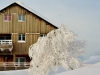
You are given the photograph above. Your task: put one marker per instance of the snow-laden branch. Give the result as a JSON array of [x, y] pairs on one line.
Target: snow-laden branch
[[59, 48]]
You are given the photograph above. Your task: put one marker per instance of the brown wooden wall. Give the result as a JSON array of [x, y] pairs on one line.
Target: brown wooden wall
[[1, 58], [22, 47], [33, 24], [9, 58], [30, 27]]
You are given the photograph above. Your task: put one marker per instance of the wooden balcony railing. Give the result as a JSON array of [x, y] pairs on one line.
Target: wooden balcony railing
[[14, 64], [6, 44], [9, 42]]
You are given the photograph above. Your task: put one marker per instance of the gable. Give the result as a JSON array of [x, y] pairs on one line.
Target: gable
[[33, 23], [25, 10]]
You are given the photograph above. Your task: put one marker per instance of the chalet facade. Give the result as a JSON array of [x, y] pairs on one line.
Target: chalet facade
[[20, 27]]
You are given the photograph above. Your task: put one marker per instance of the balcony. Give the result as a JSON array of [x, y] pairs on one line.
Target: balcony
[[6, 45], [14, 65]]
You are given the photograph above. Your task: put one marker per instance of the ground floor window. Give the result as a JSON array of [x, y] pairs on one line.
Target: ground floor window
[[20, 61]]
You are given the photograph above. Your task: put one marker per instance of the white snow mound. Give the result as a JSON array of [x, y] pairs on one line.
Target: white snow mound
[[89, 70]]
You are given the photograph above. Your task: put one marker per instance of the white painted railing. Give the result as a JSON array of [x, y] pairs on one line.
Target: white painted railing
[[14, 64], [6, 42]]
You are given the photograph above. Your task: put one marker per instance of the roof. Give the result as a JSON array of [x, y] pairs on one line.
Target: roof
[[32, 11]]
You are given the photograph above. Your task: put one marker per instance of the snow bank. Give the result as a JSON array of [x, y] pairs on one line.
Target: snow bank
[[14, 72], [93, 60], [89, 70]]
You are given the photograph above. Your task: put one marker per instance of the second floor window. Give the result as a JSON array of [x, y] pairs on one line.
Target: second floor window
[[21, 17], [7, 17], [21, 37]]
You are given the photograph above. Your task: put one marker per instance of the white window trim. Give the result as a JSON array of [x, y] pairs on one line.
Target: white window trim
[[21, 41], [32, 33], [19, 60], [20, 21], [7, 18], [21, 18]]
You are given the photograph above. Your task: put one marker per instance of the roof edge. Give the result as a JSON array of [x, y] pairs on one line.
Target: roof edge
[[32, 11]]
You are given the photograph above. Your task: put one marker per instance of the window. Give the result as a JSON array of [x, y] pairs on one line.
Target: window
[[21, 37], [20, 61], [5, 36], [42, 35], [7, 17], [21, 18], [2, 38]]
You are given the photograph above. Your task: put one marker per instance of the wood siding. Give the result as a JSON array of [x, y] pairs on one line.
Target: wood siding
[[6, 58], [32, 25], [22, 47]]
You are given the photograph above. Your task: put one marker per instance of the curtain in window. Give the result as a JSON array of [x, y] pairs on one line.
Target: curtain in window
[[7, 17]]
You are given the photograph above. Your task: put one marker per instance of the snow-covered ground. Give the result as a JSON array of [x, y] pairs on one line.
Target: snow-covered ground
[[93, 69], [93, 60], [15, 72], [89, 70]]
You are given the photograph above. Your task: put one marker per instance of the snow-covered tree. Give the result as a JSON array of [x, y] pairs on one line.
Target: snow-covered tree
[[59, 48]]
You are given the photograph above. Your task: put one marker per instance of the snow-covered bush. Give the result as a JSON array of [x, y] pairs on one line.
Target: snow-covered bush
[[59, 48]]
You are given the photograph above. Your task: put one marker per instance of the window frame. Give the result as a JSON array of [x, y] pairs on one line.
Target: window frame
[[43, 35], [22, 17], [8, 15], [19, 63], [22, 41]]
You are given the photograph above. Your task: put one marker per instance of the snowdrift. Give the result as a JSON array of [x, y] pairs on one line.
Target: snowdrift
[[14, 72], [89, 70], [93, 69]]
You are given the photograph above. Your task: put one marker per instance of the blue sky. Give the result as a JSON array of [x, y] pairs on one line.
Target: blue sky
[[80, 16]]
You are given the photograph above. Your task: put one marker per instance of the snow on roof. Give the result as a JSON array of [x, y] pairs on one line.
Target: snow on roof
[[33, 11]]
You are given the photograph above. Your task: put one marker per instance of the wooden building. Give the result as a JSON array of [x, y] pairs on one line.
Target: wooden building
[[20, 27]]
